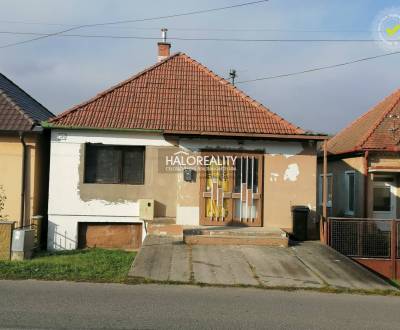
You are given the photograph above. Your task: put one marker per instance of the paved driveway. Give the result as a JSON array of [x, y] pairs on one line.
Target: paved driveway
[[307, 265]]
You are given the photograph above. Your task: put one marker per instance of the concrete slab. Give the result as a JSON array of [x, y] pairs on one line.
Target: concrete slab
[[306, 265], [162, 258], [337, 270], [221, 265], [278, 267]]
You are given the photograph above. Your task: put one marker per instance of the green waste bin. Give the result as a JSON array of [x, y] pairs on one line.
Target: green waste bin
[[300, 218]]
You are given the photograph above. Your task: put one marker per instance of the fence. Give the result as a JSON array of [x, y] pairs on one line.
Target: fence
[[375, 243]]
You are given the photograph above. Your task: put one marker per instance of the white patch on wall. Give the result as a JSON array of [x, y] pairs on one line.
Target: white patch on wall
[[273, 177], [291, 173], [187, 215]]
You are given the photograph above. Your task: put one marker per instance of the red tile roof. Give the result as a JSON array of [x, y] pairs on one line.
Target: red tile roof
[[177, 95], [378, 129]]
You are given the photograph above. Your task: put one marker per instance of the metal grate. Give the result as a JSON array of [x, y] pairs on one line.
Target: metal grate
[[361, 238]]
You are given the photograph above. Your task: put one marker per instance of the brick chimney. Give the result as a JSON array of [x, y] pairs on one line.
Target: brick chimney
[[163, 47]]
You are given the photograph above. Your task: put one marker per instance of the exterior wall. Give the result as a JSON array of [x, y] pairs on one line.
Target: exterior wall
[[72, 201], [290, 180], [338, 167], [382, 160], [339, 198], [11, 153]]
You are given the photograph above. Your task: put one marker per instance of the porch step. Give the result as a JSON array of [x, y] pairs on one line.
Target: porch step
[[164, 227], [235, 236]]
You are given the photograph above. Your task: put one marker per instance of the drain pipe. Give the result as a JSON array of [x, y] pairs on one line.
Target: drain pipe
[[23, 183], [366, 179]]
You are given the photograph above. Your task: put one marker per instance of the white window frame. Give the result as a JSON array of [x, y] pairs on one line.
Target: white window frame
[[320, 195], [347, 185]]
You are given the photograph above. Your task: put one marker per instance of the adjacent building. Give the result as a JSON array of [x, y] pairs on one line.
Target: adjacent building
[[178, 134], [363, 176], [24, 154]]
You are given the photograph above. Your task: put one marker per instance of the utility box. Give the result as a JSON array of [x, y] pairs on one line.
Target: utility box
[[23, 243], [146, 209]]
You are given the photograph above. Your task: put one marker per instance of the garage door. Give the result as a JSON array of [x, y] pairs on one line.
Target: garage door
[[126, 236]]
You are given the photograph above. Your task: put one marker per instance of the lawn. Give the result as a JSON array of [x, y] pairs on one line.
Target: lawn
[[95, 265]]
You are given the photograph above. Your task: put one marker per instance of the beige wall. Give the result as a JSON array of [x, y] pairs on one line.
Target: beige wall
[[338, 169], [11, 175], [282, 191]]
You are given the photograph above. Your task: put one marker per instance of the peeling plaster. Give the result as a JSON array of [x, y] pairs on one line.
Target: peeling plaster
[[274, 177], [291, 173]]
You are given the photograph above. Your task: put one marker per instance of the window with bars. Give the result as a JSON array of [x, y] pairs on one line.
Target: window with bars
[[114, 164]]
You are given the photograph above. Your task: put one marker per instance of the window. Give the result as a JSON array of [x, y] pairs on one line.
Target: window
[[350, 191], [382, 199], [330, 189], [114, 164]]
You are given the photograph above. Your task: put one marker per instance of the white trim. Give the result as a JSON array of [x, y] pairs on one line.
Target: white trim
[[347, 185], [320, 190]]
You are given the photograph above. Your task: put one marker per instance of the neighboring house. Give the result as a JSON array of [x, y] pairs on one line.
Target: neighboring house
[[24, 154], [363, 175], [125, 144]]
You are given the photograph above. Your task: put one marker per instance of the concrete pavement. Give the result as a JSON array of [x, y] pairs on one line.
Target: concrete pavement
[[66, 305], [307, 265]]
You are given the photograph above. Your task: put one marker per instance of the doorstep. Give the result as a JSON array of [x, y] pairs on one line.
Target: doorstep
[[230, 235]]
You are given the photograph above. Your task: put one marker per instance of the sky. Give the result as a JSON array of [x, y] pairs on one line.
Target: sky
[[63, 71]]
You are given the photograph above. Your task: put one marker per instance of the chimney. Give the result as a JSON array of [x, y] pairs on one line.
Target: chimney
[[163, 47]]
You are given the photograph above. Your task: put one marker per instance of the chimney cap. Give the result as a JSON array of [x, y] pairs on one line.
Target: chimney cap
[[164, 35]]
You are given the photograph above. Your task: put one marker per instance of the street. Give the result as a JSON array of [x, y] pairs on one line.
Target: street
[[56, 305]]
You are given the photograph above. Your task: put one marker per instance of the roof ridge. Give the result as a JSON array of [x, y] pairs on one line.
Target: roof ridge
[[26, 93], [381, 117], [114, 87], [243, 94], [16, 106]]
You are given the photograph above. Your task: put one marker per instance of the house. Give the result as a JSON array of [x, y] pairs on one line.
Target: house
[[24, 154], [363, 165], [178, 134]]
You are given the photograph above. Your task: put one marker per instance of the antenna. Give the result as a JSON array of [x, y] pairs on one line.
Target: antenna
[[232, 75]]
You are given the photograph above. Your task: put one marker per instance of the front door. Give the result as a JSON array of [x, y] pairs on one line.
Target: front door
[[231, 193], [384, 197]]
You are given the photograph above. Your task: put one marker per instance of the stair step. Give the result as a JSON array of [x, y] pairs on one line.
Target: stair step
[[235, 240], [163, 221], [165, 229]]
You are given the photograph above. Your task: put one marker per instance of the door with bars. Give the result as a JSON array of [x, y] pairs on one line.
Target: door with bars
[[231, 193]]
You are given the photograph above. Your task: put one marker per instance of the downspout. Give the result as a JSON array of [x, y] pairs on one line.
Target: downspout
[[325, 194], [366, 178], [23, 183]]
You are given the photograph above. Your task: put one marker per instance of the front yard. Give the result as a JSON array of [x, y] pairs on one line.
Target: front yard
[[95, 265]]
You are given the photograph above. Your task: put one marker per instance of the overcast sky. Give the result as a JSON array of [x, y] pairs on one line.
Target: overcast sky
[[61, 72]]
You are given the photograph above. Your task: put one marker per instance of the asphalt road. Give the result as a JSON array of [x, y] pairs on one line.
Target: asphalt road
[[57, 305]]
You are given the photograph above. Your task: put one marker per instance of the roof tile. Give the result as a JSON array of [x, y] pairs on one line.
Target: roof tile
[[176, 95]]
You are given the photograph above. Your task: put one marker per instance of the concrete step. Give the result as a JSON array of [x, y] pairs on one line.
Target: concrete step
[[164, 229], [234, 240], [163, 221], [235, 236]]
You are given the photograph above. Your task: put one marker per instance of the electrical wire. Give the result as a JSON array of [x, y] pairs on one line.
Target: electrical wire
[[318, 68], [187, 38], [196, 12]]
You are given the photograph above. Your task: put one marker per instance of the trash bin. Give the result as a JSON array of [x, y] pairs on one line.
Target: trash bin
[[300, 217]]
